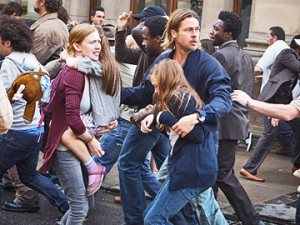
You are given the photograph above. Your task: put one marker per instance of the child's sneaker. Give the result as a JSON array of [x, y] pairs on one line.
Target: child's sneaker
[[93, 187]]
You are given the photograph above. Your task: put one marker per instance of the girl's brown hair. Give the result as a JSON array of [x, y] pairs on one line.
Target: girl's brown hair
[[172, 83], [111, 74]]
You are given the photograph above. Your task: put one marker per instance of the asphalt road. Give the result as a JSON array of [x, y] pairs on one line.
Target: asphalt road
[[275, 169], [106, 212]]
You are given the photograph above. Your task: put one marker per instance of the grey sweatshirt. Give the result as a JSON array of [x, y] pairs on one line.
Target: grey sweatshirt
[[14, 65]]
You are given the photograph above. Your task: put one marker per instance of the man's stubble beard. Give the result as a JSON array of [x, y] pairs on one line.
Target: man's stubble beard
[[185, 48]]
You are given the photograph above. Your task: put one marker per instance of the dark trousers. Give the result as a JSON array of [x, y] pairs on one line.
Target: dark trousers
[[295, 124], [298, 212], [230, 185], [262, 148], [285, 135]]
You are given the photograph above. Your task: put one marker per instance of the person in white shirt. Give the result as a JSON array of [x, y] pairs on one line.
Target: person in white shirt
[[276, 41], [285, 112]]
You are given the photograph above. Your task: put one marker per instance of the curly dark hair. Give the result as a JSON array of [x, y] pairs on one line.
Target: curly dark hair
[[232, 23], [53, 5], [16, 32], [11, 8], [156, 25], [63, 15]]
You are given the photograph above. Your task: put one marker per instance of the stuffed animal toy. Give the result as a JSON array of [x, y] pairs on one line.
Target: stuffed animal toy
[[28, 87]]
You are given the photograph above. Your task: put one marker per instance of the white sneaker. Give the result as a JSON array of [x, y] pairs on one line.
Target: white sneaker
[[298, 189], [297, 173], [249, 142]]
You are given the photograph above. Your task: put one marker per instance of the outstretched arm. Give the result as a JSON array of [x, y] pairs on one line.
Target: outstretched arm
[[280, 111], [85, 65], [88, 66]]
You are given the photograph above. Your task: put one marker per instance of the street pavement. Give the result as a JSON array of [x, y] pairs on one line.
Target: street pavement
[[105, 212], [274, 198]]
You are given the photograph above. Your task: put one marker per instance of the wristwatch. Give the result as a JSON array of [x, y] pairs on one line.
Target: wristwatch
[[200, 117]]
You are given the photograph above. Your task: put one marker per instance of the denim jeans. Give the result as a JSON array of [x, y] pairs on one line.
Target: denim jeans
[[168, 203], [24, 195], [134, 151], [22, 149], [112, 143], [207, 209], [68, 169]]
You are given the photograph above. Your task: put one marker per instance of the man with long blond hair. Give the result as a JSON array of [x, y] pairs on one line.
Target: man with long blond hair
[[210, 81]]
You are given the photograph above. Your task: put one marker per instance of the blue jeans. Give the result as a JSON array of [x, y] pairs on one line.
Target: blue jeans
[[22, 150], [207, 209], [112, 143], [168, 203], [68, 169], [134, 151]]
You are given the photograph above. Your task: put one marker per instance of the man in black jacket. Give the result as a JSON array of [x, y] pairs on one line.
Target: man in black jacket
[[234, 125]]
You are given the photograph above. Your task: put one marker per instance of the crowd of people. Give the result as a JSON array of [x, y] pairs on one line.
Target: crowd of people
[[126, 95]]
